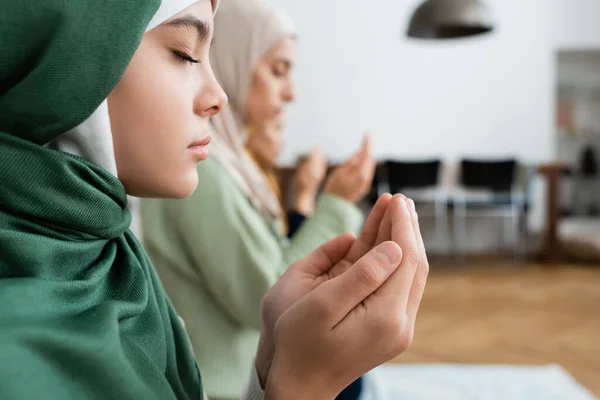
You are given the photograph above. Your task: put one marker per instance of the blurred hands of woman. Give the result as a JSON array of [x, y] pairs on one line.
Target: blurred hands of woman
[[309, 176], [348, 307], [353, 179]]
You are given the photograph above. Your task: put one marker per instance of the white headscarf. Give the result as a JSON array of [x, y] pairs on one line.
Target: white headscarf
[[244, 31], [93, 140]]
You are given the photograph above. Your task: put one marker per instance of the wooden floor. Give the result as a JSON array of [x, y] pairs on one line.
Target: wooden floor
[[535, 315]]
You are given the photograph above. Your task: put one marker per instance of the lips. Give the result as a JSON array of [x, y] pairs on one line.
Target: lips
[[199, 148], [200, 143]]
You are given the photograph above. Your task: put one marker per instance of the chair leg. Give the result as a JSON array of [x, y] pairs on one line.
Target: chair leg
[[460, 234], [509, 233], [522, 232], [441, 227], [506, 234], [516, 237], [436, 223], [453, 236], [524, 236], [519, 236]]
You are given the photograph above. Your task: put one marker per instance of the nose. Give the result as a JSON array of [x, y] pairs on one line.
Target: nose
[[211, 98], [289, 92]]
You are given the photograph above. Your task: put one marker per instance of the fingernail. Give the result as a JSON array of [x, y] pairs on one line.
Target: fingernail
[[404, 202], [411, 205], [390, 252]]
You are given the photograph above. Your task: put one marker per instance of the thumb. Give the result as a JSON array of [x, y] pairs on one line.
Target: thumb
[[342, 294], [354, 160], [319, 154], [363, 154], [365, 150], [367, 142]]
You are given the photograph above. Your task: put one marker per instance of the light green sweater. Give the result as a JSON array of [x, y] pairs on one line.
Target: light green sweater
[[217, 257]]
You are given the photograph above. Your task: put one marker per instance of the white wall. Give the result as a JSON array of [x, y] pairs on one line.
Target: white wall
[[576, 24], [489, 96]]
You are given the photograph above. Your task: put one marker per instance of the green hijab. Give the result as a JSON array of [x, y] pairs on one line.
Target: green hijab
[[82, 313]]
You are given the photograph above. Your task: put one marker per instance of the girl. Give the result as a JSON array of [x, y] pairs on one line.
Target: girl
[[220, 250], [128, 87]]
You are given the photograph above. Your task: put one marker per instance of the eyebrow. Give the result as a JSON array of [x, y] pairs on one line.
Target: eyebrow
[[191, 22], [283, 61]]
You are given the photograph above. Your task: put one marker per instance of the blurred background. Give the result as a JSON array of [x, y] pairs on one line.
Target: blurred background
[[488, 115]]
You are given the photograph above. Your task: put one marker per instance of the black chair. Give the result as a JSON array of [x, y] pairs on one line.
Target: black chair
[[404, 175], [491, 189], [497, 176], [379, 185]]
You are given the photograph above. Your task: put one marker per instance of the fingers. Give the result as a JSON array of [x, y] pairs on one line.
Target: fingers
[[340, 295], [302, 160], [315, 154], [418, 286], [385, 228], [415, 223], [353, 162], [319, 160], [395, 292], [369, 233], [367, 145], [363, 155], [358, 159], [326, 256], [366, 164]]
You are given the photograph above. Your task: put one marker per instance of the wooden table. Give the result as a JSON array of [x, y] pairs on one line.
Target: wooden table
[[552, 172]]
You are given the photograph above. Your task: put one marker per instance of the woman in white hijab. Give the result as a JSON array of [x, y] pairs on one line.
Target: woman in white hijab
[[219, 251], [254, 63]]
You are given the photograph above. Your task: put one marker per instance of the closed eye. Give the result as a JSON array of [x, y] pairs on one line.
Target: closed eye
[[184, 57]]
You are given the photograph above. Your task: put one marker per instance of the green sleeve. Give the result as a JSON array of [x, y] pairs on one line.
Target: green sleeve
[[237, 252]]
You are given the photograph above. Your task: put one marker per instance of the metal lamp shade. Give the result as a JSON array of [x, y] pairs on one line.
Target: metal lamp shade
[[448, 19]]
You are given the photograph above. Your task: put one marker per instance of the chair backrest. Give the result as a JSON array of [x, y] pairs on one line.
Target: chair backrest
[[412, 175], [379, 177], [498, 176]]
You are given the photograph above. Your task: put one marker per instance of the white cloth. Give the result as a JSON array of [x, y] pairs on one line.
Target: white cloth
[[460, 382], [169, 8], [244, 31], [92, 140]]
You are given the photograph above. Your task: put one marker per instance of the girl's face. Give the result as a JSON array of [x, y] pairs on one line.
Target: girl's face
[[160, 109], [271, 89]]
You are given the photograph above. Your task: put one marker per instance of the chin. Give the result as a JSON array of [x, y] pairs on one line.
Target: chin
[[273, 162], [184, 187], [169, 186], [176, 188]]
